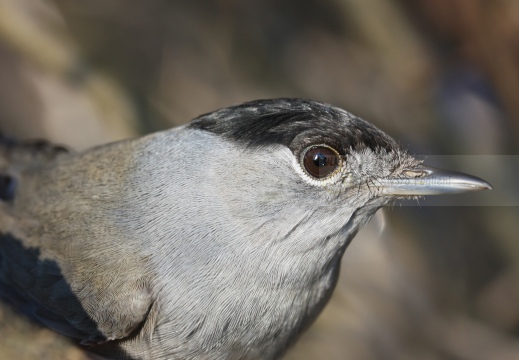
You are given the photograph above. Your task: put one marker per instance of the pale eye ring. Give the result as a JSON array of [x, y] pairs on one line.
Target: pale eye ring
[[320, 161]]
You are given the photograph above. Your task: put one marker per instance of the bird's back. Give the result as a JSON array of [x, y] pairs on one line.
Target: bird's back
[[15, 156], [44, 239]]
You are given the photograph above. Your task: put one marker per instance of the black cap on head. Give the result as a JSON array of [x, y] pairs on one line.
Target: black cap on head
[[294, 123]]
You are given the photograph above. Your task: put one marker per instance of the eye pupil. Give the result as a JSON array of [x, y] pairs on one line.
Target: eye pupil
[[320, 161]]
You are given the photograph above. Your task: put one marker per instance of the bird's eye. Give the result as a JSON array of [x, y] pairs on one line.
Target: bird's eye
[[320, 161]]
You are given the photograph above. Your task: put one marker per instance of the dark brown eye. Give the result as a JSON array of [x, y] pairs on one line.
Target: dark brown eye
[[320, 161]]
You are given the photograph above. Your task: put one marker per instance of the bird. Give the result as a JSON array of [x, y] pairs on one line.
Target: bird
[[218, 239]]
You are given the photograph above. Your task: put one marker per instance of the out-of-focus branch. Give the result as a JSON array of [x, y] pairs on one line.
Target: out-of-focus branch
[[54, 53], [489, 28]]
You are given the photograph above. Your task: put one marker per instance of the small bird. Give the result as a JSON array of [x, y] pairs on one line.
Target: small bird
[[219, 239]]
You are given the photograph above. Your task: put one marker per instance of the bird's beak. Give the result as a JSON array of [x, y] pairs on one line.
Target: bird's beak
[[425, 180]]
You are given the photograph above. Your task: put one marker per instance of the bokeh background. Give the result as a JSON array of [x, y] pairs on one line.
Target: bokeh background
[[441, 76]]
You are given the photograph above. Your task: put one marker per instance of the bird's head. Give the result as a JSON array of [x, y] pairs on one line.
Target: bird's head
[[313, 155], [292, 169]]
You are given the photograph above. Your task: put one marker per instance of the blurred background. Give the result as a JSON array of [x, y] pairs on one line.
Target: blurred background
[[441, 76]]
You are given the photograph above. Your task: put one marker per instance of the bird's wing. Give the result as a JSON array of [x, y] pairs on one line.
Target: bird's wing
[[37, 287], [90, 301]]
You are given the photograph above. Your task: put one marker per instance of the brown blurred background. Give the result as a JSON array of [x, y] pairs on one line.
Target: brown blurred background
[[441, 76]]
